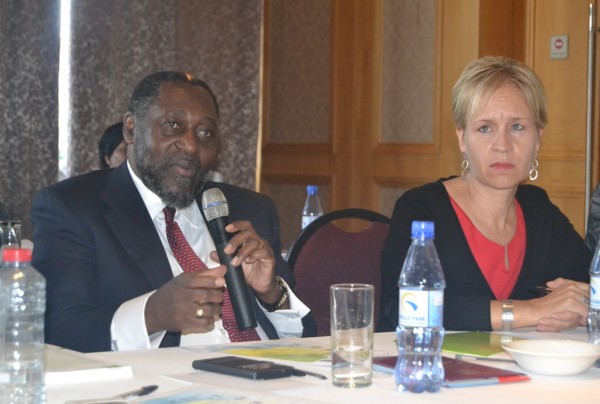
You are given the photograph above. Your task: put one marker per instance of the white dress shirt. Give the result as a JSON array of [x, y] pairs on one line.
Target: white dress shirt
[[128, 328]]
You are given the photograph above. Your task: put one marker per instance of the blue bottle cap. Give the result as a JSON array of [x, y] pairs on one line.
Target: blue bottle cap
[[422, 229], [312, 189]]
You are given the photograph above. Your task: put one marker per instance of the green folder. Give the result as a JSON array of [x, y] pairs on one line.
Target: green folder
[[474, 343]]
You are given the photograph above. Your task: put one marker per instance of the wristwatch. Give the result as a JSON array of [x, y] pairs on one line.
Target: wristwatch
[[271, 307]]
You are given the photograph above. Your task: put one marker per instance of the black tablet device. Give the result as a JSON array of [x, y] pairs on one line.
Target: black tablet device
[[244, 367]]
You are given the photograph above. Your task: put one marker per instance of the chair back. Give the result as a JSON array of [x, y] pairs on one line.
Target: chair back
[[323, 254]]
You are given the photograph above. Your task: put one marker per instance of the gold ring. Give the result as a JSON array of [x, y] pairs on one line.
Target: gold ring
[[199, 312]]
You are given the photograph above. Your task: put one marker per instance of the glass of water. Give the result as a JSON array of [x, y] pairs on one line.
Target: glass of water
[[352, 334]]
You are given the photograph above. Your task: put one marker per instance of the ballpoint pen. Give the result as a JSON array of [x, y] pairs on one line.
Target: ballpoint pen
[[481, 358], [119, 398], [540, 290], [142, 391], [298, 372]]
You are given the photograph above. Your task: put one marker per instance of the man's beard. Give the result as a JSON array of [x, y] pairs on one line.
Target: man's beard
[[153, 176]]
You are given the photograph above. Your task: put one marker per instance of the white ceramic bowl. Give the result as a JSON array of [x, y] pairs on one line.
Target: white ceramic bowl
[[553, 357]]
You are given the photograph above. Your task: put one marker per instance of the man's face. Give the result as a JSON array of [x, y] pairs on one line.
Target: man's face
[[175, 142]]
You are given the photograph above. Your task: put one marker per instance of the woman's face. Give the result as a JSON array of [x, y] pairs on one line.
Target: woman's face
[[500, 139]]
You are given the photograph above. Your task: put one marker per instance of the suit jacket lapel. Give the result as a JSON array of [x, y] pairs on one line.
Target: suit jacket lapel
[[133, 227]]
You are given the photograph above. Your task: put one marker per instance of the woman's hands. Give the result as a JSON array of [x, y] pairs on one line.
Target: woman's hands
[[565, 307]]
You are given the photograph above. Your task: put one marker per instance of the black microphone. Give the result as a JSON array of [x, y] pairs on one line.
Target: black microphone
[[216, 212]]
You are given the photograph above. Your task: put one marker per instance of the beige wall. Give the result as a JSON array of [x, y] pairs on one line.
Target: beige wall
[[386, 91]]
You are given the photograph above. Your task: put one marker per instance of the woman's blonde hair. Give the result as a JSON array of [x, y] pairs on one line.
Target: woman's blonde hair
[[487, 74]]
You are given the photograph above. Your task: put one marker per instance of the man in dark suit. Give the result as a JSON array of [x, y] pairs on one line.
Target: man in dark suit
[[113, 278]]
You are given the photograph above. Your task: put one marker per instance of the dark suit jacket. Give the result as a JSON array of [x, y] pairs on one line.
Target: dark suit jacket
[[97, 246]]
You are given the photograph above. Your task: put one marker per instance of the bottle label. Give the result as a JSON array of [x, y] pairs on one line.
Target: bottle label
[[595, 292], [421, 308], [306, 220]]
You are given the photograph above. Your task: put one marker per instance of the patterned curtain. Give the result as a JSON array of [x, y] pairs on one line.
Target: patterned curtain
[[29, 49], [115, 43]]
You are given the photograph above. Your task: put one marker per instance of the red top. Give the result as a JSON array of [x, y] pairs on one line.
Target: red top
[[500, 265]]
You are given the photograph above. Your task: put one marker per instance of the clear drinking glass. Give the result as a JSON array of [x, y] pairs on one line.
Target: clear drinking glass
[[11, 232], [352, 334]]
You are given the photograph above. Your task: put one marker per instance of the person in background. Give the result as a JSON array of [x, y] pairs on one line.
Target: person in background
[[110, 242], [593, 223], [5, 212], [112, 149], [496, 238]]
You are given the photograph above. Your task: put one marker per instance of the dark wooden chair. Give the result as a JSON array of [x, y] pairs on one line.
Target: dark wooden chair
[[324, 254]]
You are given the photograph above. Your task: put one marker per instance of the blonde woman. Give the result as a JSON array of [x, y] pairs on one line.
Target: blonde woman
[[496, 238]]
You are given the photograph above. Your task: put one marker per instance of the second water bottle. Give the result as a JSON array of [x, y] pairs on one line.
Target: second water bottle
[[594, 308], [312, 207], [420, 330]]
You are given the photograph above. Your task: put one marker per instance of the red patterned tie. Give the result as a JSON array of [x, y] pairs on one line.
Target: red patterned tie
[[190, 262]]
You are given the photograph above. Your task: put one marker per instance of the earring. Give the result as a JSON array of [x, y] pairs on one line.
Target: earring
[[533, 173], [465, 166]]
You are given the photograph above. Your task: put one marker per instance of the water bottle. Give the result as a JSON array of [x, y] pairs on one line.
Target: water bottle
[[23, 302], [594, 310], [312, 206], [420, 330]]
